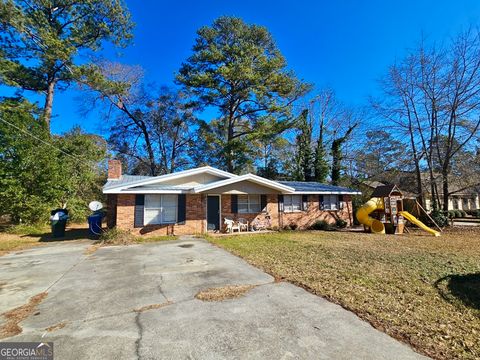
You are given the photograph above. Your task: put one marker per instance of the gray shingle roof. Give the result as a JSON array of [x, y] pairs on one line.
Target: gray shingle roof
[[310, 186]]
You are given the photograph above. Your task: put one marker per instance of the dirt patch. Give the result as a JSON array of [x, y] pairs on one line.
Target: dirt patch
[[152, 307], [91, 249], [185, 246], [56, 327], [224, 293], [17, 315]]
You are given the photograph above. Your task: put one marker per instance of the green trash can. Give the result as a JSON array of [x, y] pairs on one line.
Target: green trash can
[[58, 222]]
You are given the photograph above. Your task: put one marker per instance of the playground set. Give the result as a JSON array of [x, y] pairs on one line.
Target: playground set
[[384, 213]]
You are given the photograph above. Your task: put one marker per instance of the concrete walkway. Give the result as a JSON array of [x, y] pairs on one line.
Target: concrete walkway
[[137, 302]]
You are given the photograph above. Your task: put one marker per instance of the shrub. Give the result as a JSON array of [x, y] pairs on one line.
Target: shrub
[[458, 214], [439, 217], [287, 228], [464, 213], [293, 226], [451, 214], [321, 225], [116, 236], [476, 213], [341, 224]]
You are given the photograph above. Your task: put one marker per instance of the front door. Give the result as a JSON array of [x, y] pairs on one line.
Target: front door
[[213, 213]]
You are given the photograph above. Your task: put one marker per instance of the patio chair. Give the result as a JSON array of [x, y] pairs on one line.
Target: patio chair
[[230, 225], [242, 224]]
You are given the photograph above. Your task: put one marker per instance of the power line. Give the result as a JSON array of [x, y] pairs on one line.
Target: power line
[[41, 140]]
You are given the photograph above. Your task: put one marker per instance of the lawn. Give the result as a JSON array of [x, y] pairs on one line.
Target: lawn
[[420, 289]]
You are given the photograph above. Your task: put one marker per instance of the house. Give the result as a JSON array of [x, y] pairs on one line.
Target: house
[[197, 200]]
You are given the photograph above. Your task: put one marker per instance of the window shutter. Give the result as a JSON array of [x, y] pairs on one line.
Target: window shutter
[[320, 202], [138, 214], [234, 204], [182, 209], [304, 202], [340, 202], [280, 203], [263, 203]]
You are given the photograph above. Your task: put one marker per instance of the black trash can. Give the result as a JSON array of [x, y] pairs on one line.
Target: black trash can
[[95, 223], [58, 222]]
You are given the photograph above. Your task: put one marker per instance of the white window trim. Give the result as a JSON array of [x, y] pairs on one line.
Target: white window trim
[[249, 210], [160, 208], [285, 204], [338, 204]]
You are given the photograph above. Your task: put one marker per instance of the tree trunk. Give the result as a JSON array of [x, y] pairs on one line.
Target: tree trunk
[[445, 188], [228, 153], [148, 145], [47, 110], [418, 173]]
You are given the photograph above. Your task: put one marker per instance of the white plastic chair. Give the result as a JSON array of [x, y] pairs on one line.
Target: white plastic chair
[[242, 224], [230, 225]]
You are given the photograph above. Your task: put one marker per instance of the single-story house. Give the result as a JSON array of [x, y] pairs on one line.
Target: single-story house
[[196, 201]]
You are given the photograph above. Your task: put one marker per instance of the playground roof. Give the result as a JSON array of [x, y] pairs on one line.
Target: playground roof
[[385, 190]]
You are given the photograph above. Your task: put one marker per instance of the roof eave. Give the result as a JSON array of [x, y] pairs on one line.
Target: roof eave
[[328, 192], [172, 176], [144, 191], [248, 177]]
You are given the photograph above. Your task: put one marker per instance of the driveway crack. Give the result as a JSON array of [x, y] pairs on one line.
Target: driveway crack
[[65, 273], [140, 336], [160, 290]]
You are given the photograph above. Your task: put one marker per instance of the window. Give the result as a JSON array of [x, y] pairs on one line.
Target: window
[[160, 209], [330, 202], [455, 204], [249, 204], [292, 203]]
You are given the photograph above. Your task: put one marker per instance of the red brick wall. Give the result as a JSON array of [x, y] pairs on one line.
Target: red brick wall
[[111, 210], [304, 219], [196, 215], [195, 222], [114, 169]]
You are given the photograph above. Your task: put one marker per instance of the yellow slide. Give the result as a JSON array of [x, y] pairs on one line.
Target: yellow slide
[[417, 222], [363, 215]]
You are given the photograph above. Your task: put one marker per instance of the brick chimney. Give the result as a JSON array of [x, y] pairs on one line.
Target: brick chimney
[[114, 169]]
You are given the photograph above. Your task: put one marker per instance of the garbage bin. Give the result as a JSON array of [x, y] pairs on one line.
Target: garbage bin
[[58, 221], [95, 223]]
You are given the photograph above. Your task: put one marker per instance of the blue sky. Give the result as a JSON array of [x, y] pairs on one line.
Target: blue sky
[[347, 45]]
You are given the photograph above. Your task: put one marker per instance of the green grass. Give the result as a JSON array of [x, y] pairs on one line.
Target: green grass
[[419, 289]]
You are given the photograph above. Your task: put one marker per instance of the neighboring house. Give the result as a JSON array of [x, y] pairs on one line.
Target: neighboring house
[[460, 199], [197, 200]]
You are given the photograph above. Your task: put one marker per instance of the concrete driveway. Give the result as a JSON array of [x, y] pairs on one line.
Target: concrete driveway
[[137, 302]]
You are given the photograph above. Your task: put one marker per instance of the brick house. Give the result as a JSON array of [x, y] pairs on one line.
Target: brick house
[[197, 201]]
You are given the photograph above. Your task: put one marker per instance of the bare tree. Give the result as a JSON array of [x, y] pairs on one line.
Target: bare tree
[[151, 126], [460, 112], [433, 97]]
